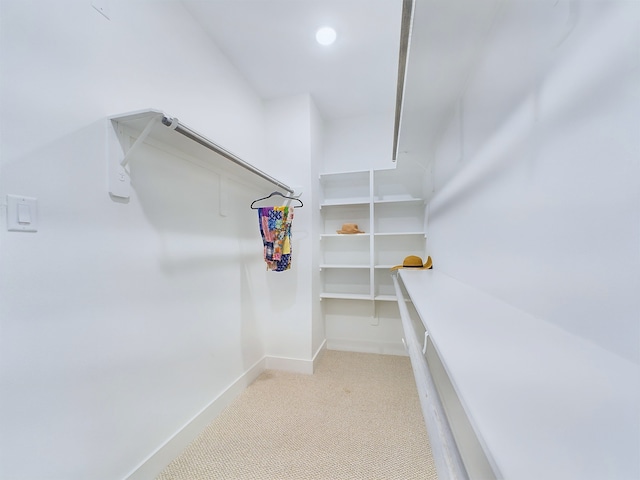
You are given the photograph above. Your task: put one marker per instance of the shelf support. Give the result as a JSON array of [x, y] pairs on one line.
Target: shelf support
[[119, 153], [121, 147], [141, 138]]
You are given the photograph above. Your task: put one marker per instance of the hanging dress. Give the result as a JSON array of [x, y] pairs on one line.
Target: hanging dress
[[275, 228]]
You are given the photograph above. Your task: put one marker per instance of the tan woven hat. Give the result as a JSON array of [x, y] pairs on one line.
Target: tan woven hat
[[349, 228], [414, 262]]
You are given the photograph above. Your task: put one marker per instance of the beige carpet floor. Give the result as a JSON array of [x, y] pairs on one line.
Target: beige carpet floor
[[357, 417]]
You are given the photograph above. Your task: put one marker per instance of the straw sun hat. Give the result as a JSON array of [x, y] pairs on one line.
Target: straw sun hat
[[415, 263], [349, 228]]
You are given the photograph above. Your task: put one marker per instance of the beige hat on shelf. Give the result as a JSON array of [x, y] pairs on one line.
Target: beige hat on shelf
[[415, 263], [349, 228]]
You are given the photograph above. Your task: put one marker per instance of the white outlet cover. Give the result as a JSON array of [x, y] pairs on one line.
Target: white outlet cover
[[22, 213]]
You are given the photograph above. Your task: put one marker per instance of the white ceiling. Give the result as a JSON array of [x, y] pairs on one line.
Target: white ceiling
[[272, 43], [447, 41]]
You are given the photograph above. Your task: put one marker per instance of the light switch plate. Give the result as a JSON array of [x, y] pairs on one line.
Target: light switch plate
[[22, 213]]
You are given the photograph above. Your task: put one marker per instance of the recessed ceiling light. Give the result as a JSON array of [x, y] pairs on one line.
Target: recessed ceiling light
[[326, 36]]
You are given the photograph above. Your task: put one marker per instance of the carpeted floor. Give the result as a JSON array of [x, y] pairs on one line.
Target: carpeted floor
[[357, 417]]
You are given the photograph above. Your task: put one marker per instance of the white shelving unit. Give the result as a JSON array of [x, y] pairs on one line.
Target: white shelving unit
[[389, 208]]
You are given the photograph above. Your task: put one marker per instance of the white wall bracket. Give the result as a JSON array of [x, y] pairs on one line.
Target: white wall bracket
[[424, 345], [143, 136], [153, 126], [119, 154]]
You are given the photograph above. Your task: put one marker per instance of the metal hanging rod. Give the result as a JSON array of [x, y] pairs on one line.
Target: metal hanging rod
[[174, 124], [405, 34]]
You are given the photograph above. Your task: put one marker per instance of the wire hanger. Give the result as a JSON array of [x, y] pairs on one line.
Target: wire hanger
[[281, 195]]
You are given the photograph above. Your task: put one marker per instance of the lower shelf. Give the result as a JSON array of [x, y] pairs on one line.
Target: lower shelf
[[386, 298], [354, 296], [346, 296]]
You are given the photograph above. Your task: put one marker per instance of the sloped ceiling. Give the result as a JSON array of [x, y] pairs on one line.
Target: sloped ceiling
[[272, 42], [447, 40]]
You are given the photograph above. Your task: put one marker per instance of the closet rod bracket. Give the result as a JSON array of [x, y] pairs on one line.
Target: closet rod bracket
[[125, 134], [120, 150], [141, 138]]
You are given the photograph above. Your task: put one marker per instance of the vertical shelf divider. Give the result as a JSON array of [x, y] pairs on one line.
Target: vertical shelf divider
[[372, 236]]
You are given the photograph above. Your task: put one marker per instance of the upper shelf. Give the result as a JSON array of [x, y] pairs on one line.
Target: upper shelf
[[128, 131], [399, 201], [345, 202]]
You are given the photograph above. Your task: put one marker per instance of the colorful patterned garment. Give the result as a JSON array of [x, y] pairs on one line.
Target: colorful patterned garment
[[275, 227]]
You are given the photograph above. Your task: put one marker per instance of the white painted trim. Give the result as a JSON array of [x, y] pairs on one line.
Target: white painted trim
[[286, 364], [319, 353], [367, 346], [166, 453], [158, 460]]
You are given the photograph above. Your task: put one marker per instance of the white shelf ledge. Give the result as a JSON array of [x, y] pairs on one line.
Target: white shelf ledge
[[393, 234], [386, 298], [345, 203], [341, 174], [344, 235], [529, 388], [399, 201], [333, 265], [346, 296], [127, 132]]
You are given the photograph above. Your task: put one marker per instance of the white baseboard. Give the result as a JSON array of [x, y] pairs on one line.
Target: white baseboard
[[318, 355], [286, 364], [159, 459], [296, 365]]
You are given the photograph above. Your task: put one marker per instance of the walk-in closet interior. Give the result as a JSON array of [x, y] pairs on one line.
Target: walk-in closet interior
[[194, 192]]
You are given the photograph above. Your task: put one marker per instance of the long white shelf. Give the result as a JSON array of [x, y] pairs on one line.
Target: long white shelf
[[544, 403], [345, 203], [334, 265], [394, 234], [344, 235], [399, 201], [126, 133], [346, 296], [341, 174], [386, 298]]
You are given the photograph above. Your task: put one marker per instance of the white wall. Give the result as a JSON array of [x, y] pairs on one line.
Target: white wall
[[536, 209], [537, 200], [317, 150], [120, 321], [293, 139], [358, 143]]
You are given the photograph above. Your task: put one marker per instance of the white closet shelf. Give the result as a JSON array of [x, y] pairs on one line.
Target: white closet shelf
[[386, 298], [346, 203], [346, 296], [399, 201], [401, 234], [344, 235], [389, 206], [128, 131], [328, 175], [335, 265]]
